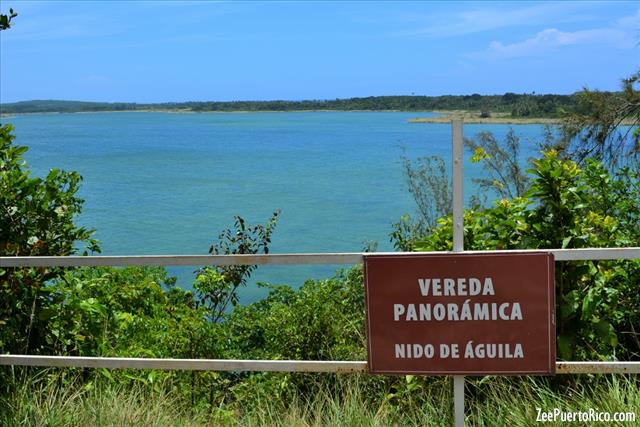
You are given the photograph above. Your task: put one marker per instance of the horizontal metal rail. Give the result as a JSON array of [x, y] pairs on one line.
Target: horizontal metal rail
[[280, 259], [176, 260], [185, 364], [597, 367], [267, 365], [277, 365]]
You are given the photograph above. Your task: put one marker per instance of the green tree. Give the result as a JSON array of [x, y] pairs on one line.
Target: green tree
[[501, 162], [217, 288], [605, 125], [36, 219], [5, 20], [430, 187]]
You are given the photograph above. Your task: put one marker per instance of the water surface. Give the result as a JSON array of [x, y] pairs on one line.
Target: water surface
[[167, 183]]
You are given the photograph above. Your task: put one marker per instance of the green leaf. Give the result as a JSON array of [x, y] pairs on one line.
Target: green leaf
[[564, 347]]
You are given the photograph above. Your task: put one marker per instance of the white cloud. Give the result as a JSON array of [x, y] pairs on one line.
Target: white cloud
[[481, 20], [630, 22], [623, 35], [551, 39]]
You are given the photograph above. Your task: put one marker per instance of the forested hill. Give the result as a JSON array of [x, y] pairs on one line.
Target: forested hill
[[525, 105]]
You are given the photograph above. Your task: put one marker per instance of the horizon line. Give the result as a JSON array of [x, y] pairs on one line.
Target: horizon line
[[533, 93]]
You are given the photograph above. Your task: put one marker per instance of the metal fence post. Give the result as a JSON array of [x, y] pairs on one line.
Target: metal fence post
[[458, 194], [458, 246]]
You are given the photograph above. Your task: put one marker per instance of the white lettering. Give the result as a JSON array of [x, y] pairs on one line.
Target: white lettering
[[429, 350], [435, 288], [444, 351], [418, 351], [481, 311], [502, 310], [465, 312], [468, 350], [425, 311], [491, 351], [398, 310], [455, 351], [488, 287], [448, 287], [474, 286], [452, 312], [411, 312], [462, 287], [518, 353], [414, 351], [516, 313], [424, 286]]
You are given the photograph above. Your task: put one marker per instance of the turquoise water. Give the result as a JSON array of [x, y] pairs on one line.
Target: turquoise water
[[166, 183]]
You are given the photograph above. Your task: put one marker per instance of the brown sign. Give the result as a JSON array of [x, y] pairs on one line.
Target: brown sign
[[464, 314]]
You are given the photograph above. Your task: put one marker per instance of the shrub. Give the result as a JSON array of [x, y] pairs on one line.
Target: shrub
[[569, 207], [36, 218]]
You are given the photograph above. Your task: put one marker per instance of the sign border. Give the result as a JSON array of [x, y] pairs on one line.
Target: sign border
[[550, 302]]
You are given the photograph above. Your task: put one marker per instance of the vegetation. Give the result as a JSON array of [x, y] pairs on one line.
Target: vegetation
[[566, 201], [479, 117], [515, 105], [502, 164], [569, 207], [138, 312], [52, 398], [36, 218], [5, 20], [216, 288], [431, 190], [594, 128]]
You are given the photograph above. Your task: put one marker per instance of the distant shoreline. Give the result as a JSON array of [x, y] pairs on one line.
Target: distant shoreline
[[530, 105], [442, 117], [445, 116], [5, 115]]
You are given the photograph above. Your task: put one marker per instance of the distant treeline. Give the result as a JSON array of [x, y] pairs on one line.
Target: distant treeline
[[518, 105]]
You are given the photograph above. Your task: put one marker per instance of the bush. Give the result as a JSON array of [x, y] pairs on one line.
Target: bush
[[36, 218], [323, 320], [569, 207]]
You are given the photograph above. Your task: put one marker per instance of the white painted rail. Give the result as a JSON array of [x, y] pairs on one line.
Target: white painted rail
[[186, 364], [287, 259], [333, 366], [275, 365]]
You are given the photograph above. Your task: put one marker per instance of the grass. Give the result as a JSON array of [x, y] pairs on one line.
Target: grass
[[507, 403], [48, 403], [55, 400]]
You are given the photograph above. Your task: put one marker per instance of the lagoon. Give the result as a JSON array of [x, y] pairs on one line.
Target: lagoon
[[167, 183]]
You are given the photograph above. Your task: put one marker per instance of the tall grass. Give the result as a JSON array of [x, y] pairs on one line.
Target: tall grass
[[59, 400], [503, 401]]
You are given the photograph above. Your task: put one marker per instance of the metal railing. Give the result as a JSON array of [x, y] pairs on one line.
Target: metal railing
[[280, 259]]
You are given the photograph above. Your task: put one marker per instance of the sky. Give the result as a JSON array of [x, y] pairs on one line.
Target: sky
[[166, 51]]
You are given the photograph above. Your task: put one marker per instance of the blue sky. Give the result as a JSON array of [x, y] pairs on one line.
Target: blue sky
[[178, 51]]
